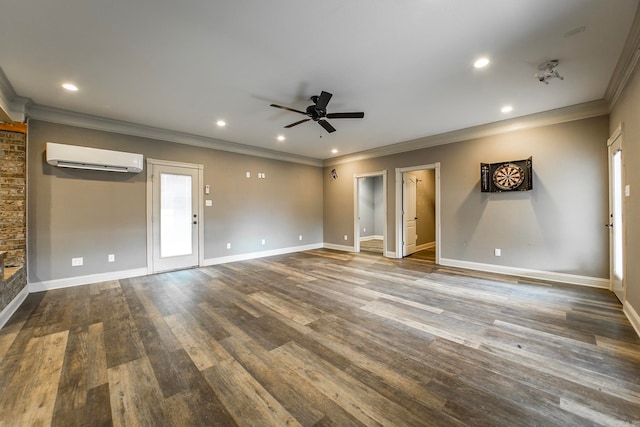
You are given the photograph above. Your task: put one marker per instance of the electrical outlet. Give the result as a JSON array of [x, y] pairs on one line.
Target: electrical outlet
[[77, 262], [364, 230], [300, 237], [346, 237], [248, 174], [228, 245], [111, 257], [264, 242], [497, 252]]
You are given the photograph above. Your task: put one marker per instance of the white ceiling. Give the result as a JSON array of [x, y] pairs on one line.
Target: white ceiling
[[407, 64]]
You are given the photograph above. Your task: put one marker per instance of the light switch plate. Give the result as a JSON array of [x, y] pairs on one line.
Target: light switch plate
[[627, 190], [208, 202]]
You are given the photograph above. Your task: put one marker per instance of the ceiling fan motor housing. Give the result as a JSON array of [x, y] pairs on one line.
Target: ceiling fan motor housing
[[315, 113]]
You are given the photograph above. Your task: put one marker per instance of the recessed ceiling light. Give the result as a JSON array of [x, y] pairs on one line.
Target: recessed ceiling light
[[334, 151], [70, 87], [481, 62], [280, 138], [507, 109], [221, 123]]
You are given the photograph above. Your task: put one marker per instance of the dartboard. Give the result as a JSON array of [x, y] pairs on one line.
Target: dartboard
[[508, 176]]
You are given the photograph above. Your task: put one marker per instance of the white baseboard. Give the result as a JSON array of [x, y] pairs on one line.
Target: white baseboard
[[13, 306], [372, 237], [261, 254], [68, 282], [426, 246], [632, 315], [338, 247], [574, 279], [390, 254]]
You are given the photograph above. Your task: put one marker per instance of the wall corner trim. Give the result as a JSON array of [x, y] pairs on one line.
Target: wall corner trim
[[13, 306], [632, 315], [67, 282], [260, 254], [338, 247], [573, 279]]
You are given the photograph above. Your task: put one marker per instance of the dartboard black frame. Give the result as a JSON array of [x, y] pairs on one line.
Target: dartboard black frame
[[514, 175]]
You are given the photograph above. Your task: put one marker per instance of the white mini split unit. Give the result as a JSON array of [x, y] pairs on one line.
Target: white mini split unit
[[74, 156]]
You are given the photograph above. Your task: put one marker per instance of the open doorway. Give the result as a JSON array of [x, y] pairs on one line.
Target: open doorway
[[418, 212], [370, 219]]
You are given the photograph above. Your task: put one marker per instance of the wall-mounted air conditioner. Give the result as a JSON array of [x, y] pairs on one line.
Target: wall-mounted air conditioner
[[73, 156]]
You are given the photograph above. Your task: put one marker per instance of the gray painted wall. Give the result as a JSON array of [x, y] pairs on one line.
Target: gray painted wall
[[370, 207], [557, 227], [366, 206], [89, 214], [626, 112], [378, 213]]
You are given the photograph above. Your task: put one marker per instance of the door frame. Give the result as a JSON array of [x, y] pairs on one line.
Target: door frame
[[356, 210], [399, 208], [199, 186], [615, 137]]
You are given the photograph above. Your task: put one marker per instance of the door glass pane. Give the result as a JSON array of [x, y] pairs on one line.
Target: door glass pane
[[175, 215], [617, 214]]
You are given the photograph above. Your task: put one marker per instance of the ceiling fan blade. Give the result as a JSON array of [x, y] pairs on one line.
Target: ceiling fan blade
[[327, 126], [289, 109], [296, 123], [345, 115], [323, 100]]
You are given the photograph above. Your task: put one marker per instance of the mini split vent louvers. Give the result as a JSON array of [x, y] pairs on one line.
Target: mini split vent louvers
[[76, 157]]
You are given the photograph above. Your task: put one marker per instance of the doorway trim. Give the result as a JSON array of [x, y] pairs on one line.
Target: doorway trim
[[399, 210], [200, 234], [356, 210]]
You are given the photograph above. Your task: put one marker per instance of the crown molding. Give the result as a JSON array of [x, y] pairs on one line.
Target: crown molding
[[626, 64], [545, 118], [13, 108], [55, 115]]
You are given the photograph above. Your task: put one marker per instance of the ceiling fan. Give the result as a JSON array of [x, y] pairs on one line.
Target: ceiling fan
[[318, 112]]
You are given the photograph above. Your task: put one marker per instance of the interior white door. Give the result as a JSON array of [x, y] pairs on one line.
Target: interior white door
[[616, 194], [409, 219], [175, 202]]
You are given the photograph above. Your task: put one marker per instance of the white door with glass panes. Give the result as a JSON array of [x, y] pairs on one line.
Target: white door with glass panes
[[615, 222], [175, 216]]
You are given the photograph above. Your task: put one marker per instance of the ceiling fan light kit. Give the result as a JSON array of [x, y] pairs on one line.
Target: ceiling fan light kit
[[548, 70], [318, 112]]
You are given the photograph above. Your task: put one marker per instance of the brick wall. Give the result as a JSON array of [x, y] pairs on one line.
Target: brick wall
[[13, 197], [12, 211]]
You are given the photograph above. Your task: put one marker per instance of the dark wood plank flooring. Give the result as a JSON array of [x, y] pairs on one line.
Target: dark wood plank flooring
[[321, 338]]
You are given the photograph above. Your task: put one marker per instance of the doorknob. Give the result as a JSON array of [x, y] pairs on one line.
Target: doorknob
[[608, 225], [195, 222]]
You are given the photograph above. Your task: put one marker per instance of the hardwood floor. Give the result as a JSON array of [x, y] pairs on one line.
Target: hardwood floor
[[373, 245], [320, 338]]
